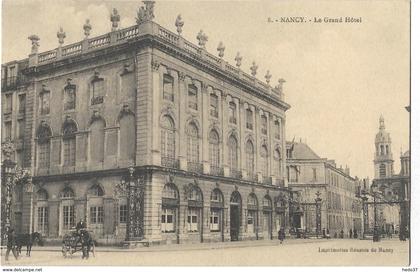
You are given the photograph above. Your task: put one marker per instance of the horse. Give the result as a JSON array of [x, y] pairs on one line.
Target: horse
[[27, 240], [88, 244]]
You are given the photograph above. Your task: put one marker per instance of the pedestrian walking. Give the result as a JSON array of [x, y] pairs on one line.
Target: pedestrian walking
[[11, 244], [351, 233], [355, 234], [281, 235], [341, 234]]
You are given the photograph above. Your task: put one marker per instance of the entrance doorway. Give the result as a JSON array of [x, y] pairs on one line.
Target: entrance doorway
[[235, 215], [267, 226]]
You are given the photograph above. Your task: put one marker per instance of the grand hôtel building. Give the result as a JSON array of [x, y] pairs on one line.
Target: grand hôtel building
[[147, 136]]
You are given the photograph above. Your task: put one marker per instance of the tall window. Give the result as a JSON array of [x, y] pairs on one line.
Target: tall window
[[233, 153], [252, 213], [70, 97], [382, 170], [214, 149], [68, 217], [314, 174], [169, 207], [277, 130], [249, 119], [45, 102], [8, 103], [44, 136], [21, 128], [168, 88], [69, 143], [98, 90], [96, 215], [97, 142], [232, 112], [216, 210], [277, 163], [42, 225], [195, 201], [127, 137], [250, 159], [8, 130], [382, 150], [192, 97], [387, 149], [167, 140], [123, 213], [193, 144], [214, 106], [22, 103], [264, 161], [264, 125]]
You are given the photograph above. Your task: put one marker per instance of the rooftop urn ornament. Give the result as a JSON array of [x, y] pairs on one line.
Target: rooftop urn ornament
[[202, 39], [280, 86], [179, 23], [145, 13], [35, 43], [254, 68], [87, 27], [221, 49], [238, 60], [61, 35], [115, 19], [268, 77]]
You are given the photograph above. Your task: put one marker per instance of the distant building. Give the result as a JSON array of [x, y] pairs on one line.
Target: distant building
[[307, 173], [395, 188]]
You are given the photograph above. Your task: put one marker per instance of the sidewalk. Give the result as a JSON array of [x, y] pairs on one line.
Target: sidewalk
[[183, 247]]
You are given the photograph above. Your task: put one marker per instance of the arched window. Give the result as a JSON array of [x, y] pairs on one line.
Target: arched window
[[250, 159], [264, 161], [67, 204], [233, 153], [192, 97], [168, 142], [387, 149], [97, 141], [252, 220], [127, 137], [382, 170], [168, 87], [96, 190], [44, 145], [277, 130], [216, 210], [193, 147], [267, 204], [69, 143], [42, 212], [382, 150], [277, 163], [214, 149], [195, 206], [170, 202]]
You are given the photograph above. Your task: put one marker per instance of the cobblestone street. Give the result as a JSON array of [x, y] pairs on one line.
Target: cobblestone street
[[260, 253]]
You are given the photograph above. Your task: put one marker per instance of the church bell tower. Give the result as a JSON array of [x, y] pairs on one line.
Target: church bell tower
[[384, 164]]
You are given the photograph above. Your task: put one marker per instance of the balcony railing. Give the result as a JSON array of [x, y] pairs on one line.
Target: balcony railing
[[216, 171], [195, 167], [235, 173], [97, 100], [170, 162]]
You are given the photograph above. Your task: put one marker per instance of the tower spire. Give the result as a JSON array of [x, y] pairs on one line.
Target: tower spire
[[381, 122]]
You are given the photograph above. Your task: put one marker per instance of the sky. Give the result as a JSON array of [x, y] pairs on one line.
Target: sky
[[339, 77]]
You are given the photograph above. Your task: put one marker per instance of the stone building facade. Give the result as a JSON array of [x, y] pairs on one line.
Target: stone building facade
[[308, 174], [147, 137]]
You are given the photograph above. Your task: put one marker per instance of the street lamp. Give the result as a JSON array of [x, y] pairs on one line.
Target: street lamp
[[363, 195], [376, 234], [318, 213]]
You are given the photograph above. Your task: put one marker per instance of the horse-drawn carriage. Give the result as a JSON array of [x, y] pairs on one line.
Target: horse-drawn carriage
[[75, 241]]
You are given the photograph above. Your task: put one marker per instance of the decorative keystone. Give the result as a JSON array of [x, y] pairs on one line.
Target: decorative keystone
[[267, 77], [87, 27], [35, 43], [254, 68], [221, 49], [202, 39], [238, 60], [179, 23], [115, 19], [61, 35]]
